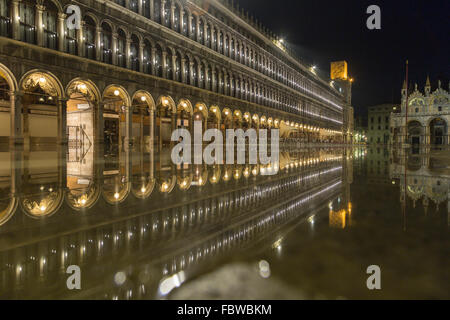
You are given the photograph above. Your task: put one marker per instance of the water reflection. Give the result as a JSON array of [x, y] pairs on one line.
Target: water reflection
[[139, 226]]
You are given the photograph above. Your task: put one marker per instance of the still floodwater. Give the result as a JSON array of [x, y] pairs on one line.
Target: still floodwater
[[141, 228]]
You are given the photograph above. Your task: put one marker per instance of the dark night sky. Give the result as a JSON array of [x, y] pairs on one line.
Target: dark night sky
[[332, 30]]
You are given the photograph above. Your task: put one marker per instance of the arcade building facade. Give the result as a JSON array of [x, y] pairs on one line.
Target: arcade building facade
[[138, 69]]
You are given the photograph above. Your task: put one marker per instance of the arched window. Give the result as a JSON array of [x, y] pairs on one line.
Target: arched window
[[187, 67], [157, 10], [49, 20], [176, 18], [208, 36], [89, 38], [169, 68], [134, 53], [134, 5], [226, 41], [167, 14], [195, 73], [106, 43], [121, 48], [5, 21], [178, 76], [146, 8], [194, 27], [201, 32], [158, 61], [70, 41], [220, 44], [27, 21], [232, 53], [147, 57]]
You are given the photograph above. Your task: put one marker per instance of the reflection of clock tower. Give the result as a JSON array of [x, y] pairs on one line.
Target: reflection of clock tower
[[339, 74]]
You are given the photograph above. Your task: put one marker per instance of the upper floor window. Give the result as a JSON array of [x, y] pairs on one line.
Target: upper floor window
[[27, 21], [106, 43], [134, 5], [121, 48], [5, 21], [70, 41], [120, 2], [89, 38], [49, 19], [439, 109]]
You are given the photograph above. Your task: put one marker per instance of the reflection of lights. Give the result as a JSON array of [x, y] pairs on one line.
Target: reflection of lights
[[172, 282], [264, 269], [143, 189], [143, 98], [43, 208], [393, 182], [116, 195], [116, 92], [165, 186], [42, 80]]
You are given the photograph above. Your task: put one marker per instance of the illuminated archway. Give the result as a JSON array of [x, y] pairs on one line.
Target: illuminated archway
[[142, 123]]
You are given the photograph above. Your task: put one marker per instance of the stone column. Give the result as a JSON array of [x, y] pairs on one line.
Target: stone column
[[39, 25], [152, 9], [163, 12], [181, 22], [199, 74], [140, 11], [174, 67], [172, 16], [191, 73], [153, 57], [62, 121], [197, 30], [183, 70], [164, 64], [141, 56], [152, 129], [61, 31], [16, 118], [15, 20], [98, 44], [114, 48], [127, 52]]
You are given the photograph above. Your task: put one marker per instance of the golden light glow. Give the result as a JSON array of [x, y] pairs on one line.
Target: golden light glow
[[116, 92], [339, 70]]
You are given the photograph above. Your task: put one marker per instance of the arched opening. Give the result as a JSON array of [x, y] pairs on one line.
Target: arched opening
[[146, 9], [5, 108], [49, 20], [134, 53], [201, 114], [41, 110], [195, 73], [165, 121], [106, 43], [147, 63], [237, 120], [5, 18], [70, 39], [89, 38], [134, 5], [176, 18], [214, 118], [157, 11], [184, 25], [121, 48], [415, 133], [247, 121], [116, 122], [227, 120], [201, 33], [184, 115], [166, 9], [159, 61], [438, 132], [142, 122], [178, 75], [194, 27], [142, 161], [27, 25], [81, 130], [169, 66]]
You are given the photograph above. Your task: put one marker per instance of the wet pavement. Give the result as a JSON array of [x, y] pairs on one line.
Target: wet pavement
[[140, 227]]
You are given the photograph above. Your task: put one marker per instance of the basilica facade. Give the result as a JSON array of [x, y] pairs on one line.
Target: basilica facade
[[428, 117]]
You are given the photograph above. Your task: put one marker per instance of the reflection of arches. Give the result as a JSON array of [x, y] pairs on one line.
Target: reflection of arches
[[7, 209], [167, 185], [39, 206], [116, 104], [142, 122], [115, 189], [84, 197], [415, 132], [214, 118], [184, 182], [143, 187], [165, 120]]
